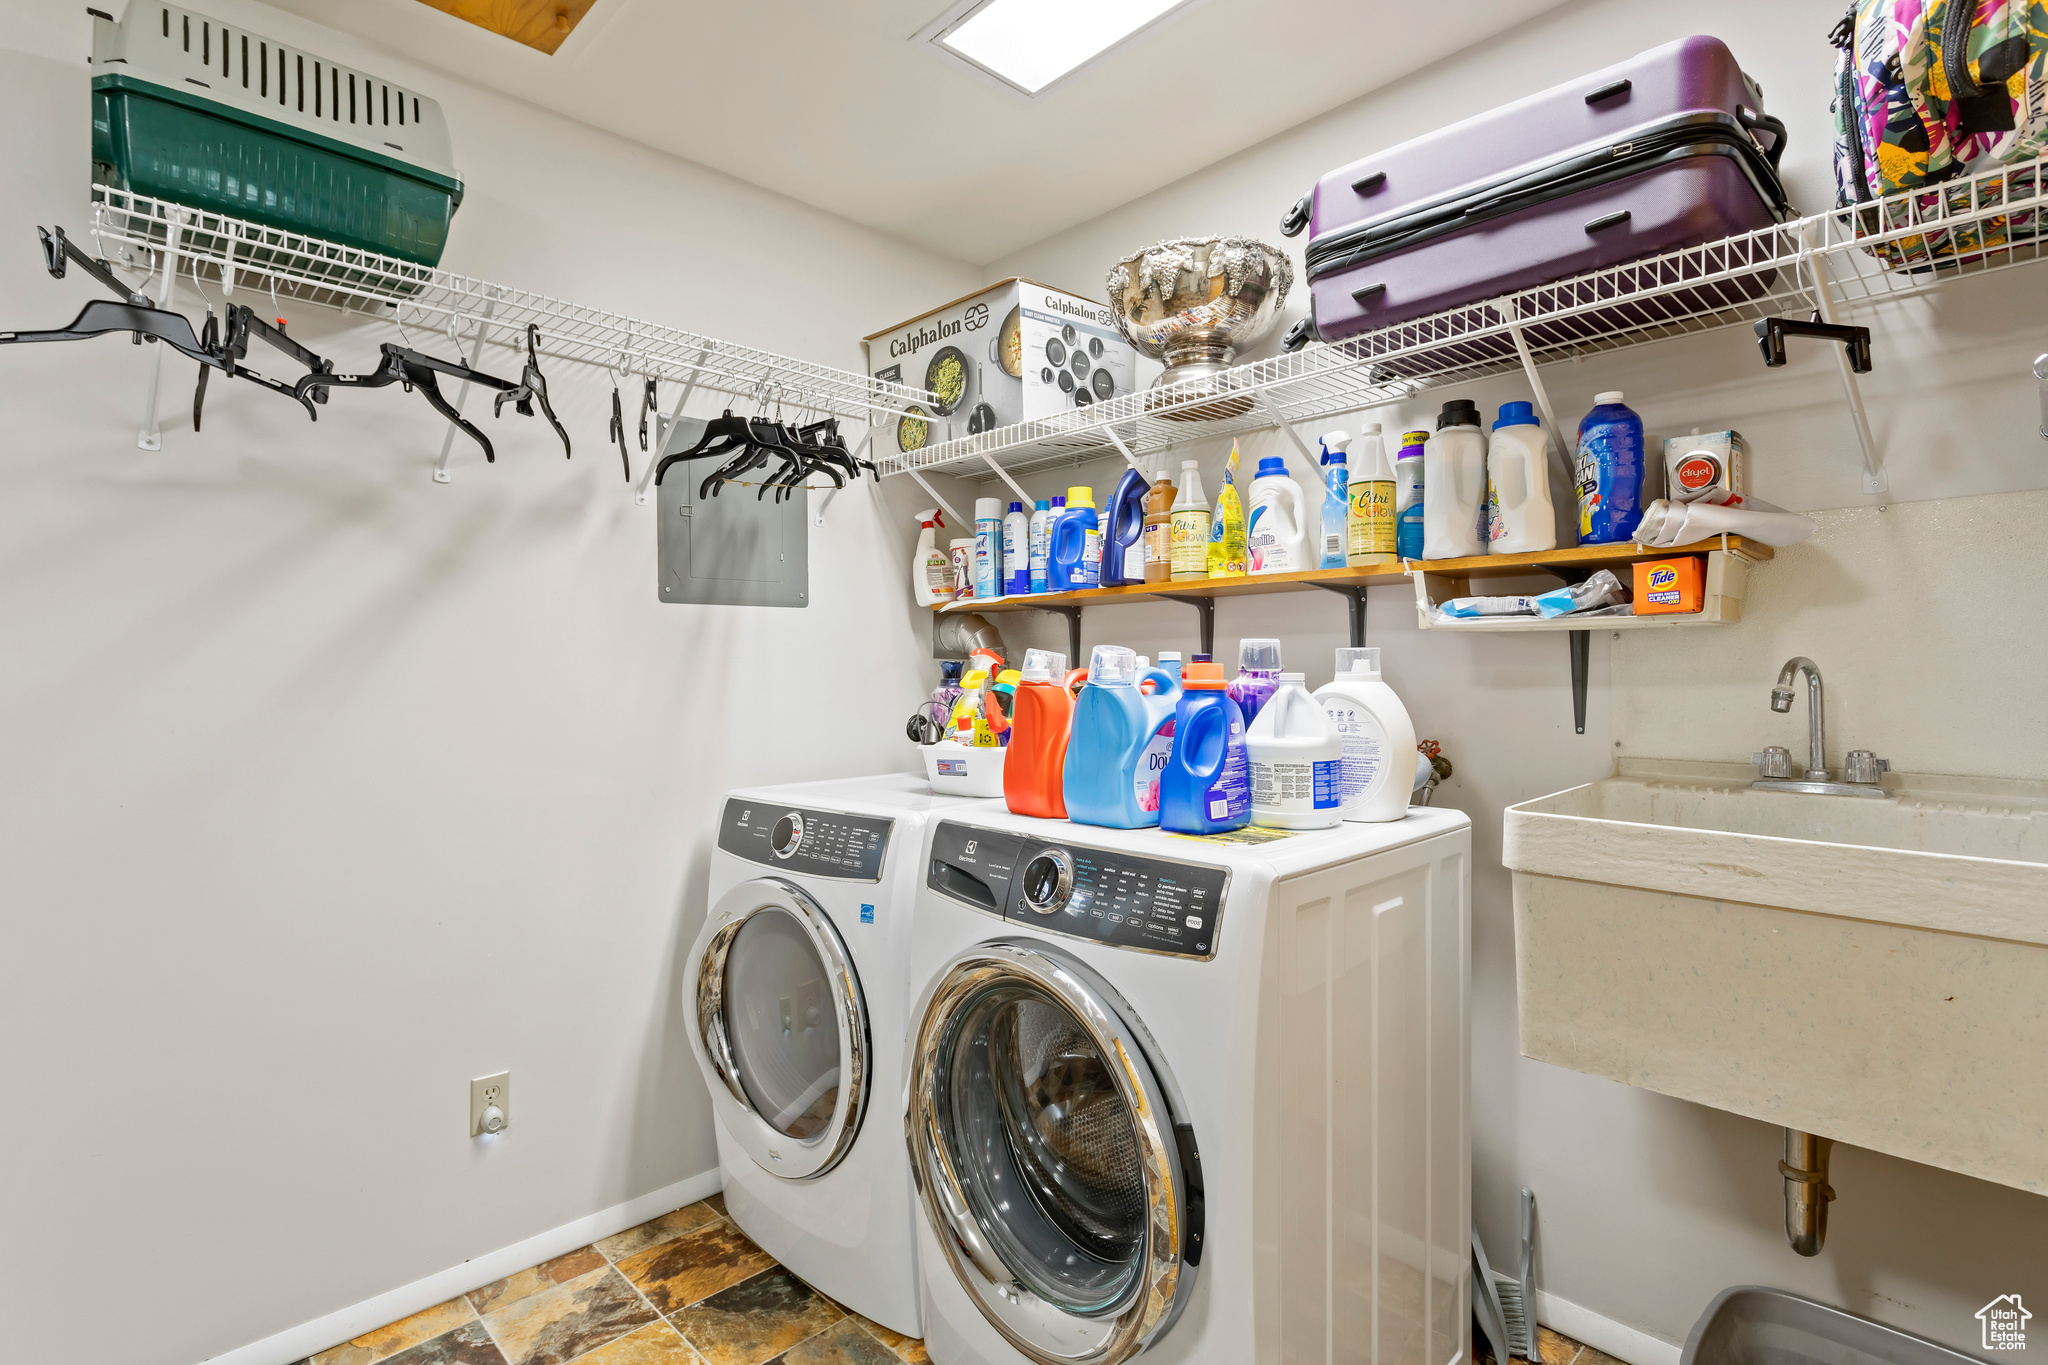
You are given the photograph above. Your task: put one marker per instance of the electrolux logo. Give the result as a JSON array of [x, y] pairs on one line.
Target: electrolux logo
[[1055, 304], [2005, 1323]]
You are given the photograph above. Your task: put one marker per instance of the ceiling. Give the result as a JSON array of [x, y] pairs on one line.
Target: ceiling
[[830, 103]]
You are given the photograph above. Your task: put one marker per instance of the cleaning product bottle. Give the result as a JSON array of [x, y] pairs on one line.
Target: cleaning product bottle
[[1258, 673], [1207, 785], [1169, 662], [963, 567], [1159, 529], [1156, 678], [1276, 532], [1016, 550], [1519, 516], [1041, 540], [931, 569], [970, 711], [1123, 531], [1297, 761], [1336, 498], [988, 547], [1119, 746], [1075, 560], [1369, 529], [1379, 739], [1408, 492], [1190, 535], [1609, 472], [1455, 472], [1227, 557], [1042, 716]]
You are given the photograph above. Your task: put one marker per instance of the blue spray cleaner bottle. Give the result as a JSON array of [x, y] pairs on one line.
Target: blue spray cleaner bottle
[[1119, 745], [1336, 498]]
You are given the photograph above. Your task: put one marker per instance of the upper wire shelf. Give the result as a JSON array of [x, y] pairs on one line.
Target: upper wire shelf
[[1864, 254], [137, 231]]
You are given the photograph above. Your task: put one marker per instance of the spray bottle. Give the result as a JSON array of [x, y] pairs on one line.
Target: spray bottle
[[1336, 498], [931, 569]]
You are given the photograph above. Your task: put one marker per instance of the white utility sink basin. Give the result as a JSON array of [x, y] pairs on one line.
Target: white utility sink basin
[[1870, 971]]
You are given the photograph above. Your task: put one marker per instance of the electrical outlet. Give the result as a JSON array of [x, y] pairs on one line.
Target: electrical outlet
[[489, 1092]]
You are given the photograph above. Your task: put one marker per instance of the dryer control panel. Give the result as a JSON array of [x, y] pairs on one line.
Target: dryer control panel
[[1121, 899], [815, 843]]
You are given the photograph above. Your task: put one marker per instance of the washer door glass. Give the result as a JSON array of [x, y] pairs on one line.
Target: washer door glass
[[783, 1028], [1045, 1148]]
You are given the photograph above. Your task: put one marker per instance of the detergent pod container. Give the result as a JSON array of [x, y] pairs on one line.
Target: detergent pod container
[[1258, 673], [1297, 761], [1041, 718], [1378, 737], [1207, 787], [1119, 746]]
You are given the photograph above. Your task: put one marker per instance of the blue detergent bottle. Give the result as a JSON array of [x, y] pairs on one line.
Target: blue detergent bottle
[[1075, 560], [1609, 472], [1123, 531], [1119, 746], [1207, 788]]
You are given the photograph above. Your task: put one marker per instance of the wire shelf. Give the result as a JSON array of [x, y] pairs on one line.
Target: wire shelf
[[136, 230], [1861, 255]]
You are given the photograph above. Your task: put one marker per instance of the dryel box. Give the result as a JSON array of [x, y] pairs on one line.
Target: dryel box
[[1014, 352]]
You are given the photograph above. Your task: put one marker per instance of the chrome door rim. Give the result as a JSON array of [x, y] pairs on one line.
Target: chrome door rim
[[1165, 1281], [822, 1153]]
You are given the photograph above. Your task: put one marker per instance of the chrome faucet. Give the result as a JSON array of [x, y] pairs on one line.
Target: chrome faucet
[[1861, 768]]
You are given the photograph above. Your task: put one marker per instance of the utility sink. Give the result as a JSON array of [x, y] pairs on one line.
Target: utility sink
[[1872, 971]]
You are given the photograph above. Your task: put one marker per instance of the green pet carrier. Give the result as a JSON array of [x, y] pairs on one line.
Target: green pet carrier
[[187, 109]]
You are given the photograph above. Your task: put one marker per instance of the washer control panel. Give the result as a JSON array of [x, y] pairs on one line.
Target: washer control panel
[[816, 843]]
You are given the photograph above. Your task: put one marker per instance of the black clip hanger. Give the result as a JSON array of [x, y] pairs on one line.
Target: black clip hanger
[[233, 349], [648, 403], [209, 339], [618, 432], [59, 249], [415, 370], [531, 388], [101, 316], [721, 436]]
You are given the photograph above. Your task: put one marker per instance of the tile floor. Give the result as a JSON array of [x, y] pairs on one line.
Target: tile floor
[[687, 1288]]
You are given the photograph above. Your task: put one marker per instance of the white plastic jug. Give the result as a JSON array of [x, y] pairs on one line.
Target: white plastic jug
[[1454, 475], [1378, 737], [1297, 761], [1276, 536], [1520, 518]]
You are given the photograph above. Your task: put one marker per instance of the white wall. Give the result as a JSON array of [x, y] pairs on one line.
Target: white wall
[[328, 787], [1930, 643]]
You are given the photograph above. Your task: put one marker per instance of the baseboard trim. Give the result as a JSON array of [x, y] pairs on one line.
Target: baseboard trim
[[1618, 1339], [294, 1343]]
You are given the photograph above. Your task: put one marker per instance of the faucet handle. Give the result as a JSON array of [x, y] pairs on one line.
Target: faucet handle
[[1775, 761], [1861, 765]]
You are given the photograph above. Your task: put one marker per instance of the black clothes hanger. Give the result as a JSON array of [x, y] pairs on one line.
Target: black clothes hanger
[[648, 403], [415, 370], [59, 249], [721, 435], [101, 316], [618, 432], [243, 324], [531, 388]]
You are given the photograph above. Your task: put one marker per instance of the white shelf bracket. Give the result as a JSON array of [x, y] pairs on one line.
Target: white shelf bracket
[[476, 351], [1529, 371], [944, 506], [1015, 487], [1874, 480], [1121, 448], [1272, 410], [150, 435], [644, 492]]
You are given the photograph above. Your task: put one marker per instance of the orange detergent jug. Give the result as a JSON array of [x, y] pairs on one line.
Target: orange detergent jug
[[1042, 715]]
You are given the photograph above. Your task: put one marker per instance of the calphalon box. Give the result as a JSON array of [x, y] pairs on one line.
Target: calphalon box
[[1014, 352]]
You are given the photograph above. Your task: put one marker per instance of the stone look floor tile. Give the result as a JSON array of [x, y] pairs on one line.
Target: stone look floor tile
[[843, 1343], [568, 1320], [653, 1233], [695, 1266], [655, 1344], [894, 1340], [717, 1201], [513, 1288], [1589, 1356], [1555, 1348], [469, 1344], [389, 1340], [756, 1320]]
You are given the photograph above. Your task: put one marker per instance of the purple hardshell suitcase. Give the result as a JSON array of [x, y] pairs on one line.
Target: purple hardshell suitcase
[[1653, 154]]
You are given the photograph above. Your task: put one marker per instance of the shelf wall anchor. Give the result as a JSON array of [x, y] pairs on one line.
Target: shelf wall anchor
[[476, 351], [150, 435], [1353, 593], [644, 492], [1205, 607], [1874, 479]]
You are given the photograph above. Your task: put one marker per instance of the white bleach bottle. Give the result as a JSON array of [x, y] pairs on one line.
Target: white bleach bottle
[[1520, 518], [1297, 761], [1454, 473], [1378, 738], [1276, 536]]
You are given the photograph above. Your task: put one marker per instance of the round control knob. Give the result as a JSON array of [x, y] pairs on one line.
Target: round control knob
[[1048, 881], [787, 836]]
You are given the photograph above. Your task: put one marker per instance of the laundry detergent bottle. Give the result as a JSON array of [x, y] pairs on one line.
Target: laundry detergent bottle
[[1207, 786], [1227, 554], [1258, 673], [1519, 516], [1378, 737], [1276, 532], [1120, 743], [1408, 495], [1041, 718], [1609, 472], [1123, 531], [1076, 556], [1454, 469], [1297, 761]]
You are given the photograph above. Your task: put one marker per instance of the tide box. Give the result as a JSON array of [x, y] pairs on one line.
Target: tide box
[[1668, 585], [1696, 465], [1014, 352]]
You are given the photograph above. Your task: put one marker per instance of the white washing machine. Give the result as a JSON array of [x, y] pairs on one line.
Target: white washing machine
[[1201, 1100], [796, 992]]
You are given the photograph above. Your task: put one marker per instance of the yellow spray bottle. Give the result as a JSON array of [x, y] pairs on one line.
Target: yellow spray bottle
[[1226, 527]]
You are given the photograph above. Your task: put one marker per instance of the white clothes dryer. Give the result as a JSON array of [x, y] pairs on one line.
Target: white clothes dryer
[[1190, 1097], [796, 993]]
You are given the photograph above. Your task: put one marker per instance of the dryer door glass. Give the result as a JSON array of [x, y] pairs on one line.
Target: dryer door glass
[[784, 1029]]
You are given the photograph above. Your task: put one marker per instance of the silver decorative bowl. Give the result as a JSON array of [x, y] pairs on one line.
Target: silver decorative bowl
[[1193, 303]]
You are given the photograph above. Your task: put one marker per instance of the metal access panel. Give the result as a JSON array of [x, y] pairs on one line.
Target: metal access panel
[[732, 550]]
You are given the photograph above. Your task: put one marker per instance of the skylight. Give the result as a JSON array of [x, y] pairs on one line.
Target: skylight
[[1030, 44]]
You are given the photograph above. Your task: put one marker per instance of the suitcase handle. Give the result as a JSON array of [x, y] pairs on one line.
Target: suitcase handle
[[1608, 220], [1754, 120], [1609, 91], [1297, 217]]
